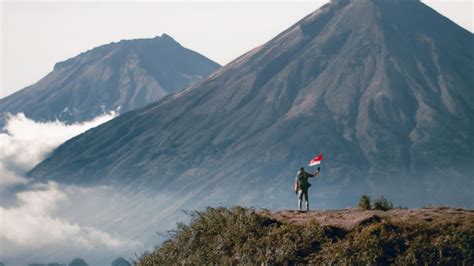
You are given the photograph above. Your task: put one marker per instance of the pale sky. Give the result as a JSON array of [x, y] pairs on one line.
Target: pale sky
[[36, 35]]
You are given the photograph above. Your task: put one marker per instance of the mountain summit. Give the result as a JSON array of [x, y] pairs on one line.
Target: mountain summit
[[383, 88], [118, 76]]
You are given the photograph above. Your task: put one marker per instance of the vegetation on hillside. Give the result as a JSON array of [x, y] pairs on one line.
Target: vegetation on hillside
[[380, 204], [248, 236], [364, 202]]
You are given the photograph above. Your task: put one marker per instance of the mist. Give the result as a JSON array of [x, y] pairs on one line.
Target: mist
[[52, 222], [38, 219], [34, 230], [25, 142]]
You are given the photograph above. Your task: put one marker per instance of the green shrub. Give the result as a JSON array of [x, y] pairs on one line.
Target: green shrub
[[220, 236], [364, 202], [237, 236], [382, 204]]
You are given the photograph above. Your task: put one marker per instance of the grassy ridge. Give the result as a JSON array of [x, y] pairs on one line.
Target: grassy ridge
[[247, 236]]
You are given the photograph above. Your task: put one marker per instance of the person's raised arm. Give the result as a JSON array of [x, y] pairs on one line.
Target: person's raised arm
[[316, 172]]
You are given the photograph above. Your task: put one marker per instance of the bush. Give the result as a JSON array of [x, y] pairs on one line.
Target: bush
[[236, 236], [220, 236], [121, 262], [78, 262], [382, 204], [364, 202]]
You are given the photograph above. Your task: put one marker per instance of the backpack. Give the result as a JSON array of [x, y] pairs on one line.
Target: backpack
[[303, 181]]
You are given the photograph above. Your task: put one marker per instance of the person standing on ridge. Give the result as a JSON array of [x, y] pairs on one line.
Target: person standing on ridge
[[302, 185]]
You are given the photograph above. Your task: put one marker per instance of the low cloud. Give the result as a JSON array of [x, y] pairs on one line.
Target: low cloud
[[33, 226], [25, 142]]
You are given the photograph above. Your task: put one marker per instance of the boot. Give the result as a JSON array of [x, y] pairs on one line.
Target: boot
[[299, 204], [307, 206]]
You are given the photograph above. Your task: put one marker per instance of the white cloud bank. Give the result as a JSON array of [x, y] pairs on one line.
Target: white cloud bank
[[32, 227], [25, 143]]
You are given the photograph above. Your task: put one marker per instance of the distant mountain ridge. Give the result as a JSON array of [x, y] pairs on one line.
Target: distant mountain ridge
[[383, 88], [119, 76]]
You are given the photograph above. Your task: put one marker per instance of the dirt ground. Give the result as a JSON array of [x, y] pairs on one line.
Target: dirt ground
[[348, 218]]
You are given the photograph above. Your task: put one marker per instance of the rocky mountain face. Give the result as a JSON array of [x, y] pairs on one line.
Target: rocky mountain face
[[383, 88], [115, 77]]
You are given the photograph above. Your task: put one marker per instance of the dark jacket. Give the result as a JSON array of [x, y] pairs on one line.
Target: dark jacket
[[301, 180]]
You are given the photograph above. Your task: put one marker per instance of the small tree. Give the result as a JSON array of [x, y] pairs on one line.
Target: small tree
[[121, 262], [364, 202], [78, 262], [382, 204]]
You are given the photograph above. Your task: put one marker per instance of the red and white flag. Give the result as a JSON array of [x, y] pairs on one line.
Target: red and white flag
[[316, 160]]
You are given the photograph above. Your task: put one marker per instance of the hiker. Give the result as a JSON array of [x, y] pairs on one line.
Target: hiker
[[302, 185]]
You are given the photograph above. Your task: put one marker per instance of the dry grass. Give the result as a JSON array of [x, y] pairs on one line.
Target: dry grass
[[247, 236]]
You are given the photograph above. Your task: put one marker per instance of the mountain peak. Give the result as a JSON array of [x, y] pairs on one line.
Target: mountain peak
[[345, 2], [165, 36], [122, 75]]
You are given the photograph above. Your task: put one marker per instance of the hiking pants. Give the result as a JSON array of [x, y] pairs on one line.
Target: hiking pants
[[301, 193]]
